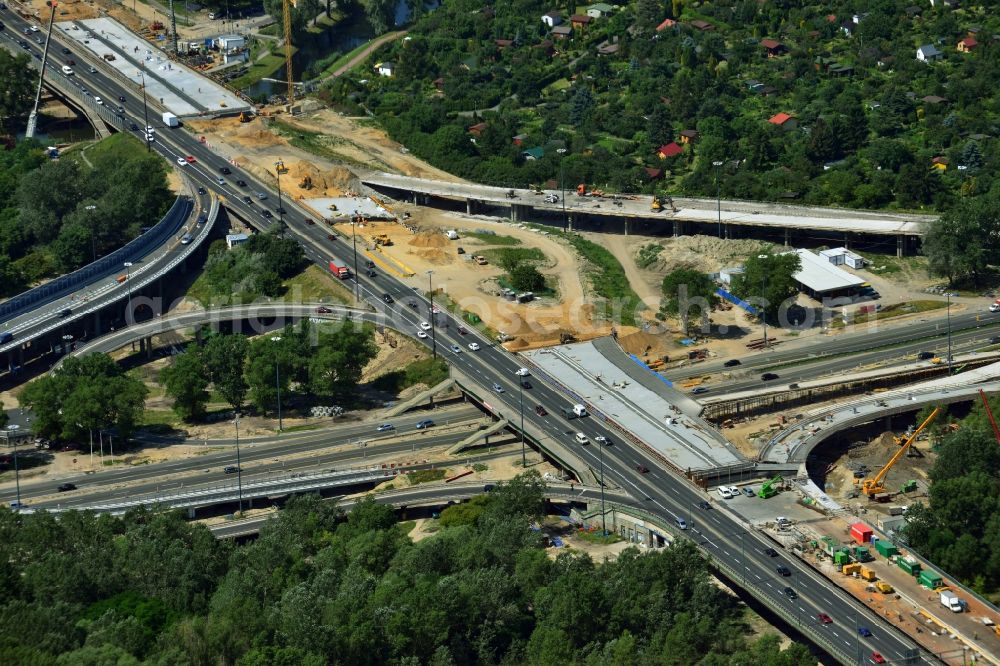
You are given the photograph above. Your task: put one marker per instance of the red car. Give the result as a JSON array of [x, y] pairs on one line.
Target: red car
[[190, 159], [825, 619], [463, 330], [540, 410], [876, 658]]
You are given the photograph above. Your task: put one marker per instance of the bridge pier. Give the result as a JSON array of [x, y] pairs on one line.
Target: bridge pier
[[468, 206], [569, 221], [678, 228], [626, 226], [900, 246], [847, 239]]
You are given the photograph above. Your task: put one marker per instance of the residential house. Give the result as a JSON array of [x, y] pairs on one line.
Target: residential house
[[704, 26], [477, 129], [887, 61], [688, 136], [754, 85], [599, 10], [669, 150], [967, 45], [858, 18], [519, 139], [552, 19], [535, 153], [232, 240], [561, 32], [653, 173], [940, 163], [439, 84], [503, 43], [385, 68], [831, 18], [784, 121], [580, 21], [773, 47], [848, 28], [667, 23], [933, 99], [913, 11], [545, 46], [927, 53]]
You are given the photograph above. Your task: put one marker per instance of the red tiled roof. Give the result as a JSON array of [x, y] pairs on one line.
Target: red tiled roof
[[779, 119], [670, 150], [770, 43]]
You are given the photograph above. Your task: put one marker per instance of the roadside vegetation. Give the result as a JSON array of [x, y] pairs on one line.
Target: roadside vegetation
[[251, 270], [321, 587], [607, 277], [428, 371], [58, 215]]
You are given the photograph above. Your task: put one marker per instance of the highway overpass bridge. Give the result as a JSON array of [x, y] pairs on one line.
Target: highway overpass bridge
[[786, 224]]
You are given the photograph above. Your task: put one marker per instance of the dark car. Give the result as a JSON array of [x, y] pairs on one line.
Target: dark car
[[770, 552], [732, 363], [248, 201], [704, 505], [768, 376], [642, 469], [201, 190], [121, 98], [323, 310], [783, 570], [387, 298], [700, 390], [311, 222], [135, 128], [790, 593], [372, 273], [995, 340], [225, 170], [423, 425], [266, 213], [865, 631], [462, 330], [230, 469], [65, 50], [281, 210], [65, 487], [65, 312], [525, 384], [242, 183], [540, 410], [925, 355]]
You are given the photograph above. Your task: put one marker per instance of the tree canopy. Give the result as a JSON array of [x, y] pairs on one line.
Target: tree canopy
[[767, 281], [688, 293]]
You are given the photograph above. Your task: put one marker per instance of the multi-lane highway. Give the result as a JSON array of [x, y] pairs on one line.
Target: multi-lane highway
[[660, 492]]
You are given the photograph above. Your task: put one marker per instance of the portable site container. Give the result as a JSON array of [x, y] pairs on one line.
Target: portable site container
[[930, 579], [868, 574], [910, 567], [851, 569], [886, 548], [861, 533], [862, 554], [842, 557]]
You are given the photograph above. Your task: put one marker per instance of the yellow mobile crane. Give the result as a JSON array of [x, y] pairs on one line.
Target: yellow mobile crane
[[287, 15], [873, 486]]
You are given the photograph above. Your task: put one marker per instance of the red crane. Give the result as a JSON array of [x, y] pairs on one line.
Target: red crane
[[989, 413]]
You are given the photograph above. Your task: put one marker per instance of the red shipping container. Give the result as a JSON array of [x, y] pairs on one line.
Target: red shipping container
[[861, 532]]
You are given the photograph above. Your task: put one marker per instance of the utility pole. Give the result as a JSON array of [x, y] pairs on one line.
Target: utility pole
[[279, 168], [354, 240], [29, 132], [718, 194], [562, 187], [239, 467], [128, 284], [430, 288], [520, 404], [604, 525], [145, 111], [277, 378], [763, 290]]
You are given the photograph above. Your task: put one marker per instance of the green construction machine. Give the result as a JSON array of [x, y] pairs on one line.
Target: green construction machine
[[768, 489]]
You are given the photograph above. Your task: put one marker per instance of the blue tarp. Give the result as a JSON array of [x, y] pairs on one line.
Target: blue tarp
[[736, 301], [652, 372]]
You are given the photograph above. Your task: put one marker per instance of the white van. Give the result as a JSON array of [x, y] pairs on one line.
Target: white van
[[681, 523], [579, 410], [67, 70]]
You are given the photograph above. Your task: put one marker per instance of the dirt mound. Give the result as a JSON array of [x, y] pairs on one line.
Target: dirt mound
[[435, 256], [332, 182], [705, 253], [640, 342], [429, 239]]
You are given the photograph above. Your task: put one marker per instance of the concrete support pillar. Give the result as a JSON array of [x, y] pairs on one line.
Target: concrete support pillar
[[569, 221], [149, 346], [900, 246], [416, 199], [788, 237], [97, 323], [678, 228], [725, 231], [468, 206], [626, 226], [847, 239], [888, 424]]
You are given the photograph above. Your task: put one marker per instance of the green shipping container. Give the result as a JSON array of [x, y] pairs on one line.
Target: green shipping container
[[841, 557], [862, 554], [912, 569], [886, 548], [930, 579]]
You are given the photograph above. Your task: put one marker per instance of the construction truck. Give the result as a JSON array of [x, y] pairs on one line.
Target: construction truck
[[884, 587], [340, 270], [381, 239], [306, 183], [768, 489], [246, 116]]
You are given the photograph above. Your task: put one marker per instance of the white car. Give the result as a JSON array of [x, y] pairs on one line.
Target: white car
[[522, 372], [734, 491], [473, 346], [98, 101], [456, 349], [421, 334], [581, 438], [424, 325], [602, 440], [181, 161], [725, 492]]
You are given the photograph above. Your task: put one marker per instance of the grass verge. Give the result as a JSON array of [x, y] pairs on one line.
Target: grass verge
[[258, 70], [491, 239], [429, 371], [472, 319], [595, 536], [425, 476], [313, 285], [894, 310], [314, 143], [511, 256]]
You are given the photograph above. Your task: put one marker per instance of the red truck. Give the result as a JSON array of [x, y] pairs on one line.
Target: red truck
[[340, 270]]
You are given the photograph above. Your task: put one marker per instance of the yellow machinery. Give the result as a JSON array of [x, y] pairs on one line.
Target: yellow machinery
[[656, 206], [884, 587], [382, 239], [287, 8], [306, 183], [245, 117], [873, 486]]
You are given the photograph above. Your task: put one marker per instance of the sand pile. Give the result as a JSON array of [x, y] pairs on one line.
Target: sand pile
[[434, 256], [639, 342], [254, 134], [705, 253], [332, 182], [429, 239]]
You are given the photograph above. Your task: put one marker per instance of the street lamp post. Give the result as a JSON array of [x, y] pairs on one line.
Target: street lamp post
[[93, 231], [354, 241], [604, 525], [128, 285], [949, 331], [145, 111], [562, 187], [430, 290], [239, 467], [520, 406], [277, 380], [763, 290], [17, 471], [718, 194], [279, 167]]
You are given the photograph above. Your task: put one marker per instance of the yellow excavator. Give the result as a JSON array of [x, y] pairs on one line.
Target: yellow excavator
[[874, 486]]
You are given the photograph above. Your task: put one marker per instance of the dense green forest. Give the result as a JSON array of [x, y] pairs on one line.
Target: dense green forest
[[490, 93], [959, 527], [58, 215], [318, 587]]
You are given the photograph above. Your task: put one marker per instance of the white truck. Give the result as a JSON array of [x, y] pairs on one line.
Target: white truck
[[951, 600], [452, 234], [170, 120], [995, 306]]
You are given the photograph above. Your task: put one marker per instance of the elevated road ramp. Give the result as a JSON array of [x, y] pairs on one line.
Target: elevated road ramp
[[477, 436], [429, 394]]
